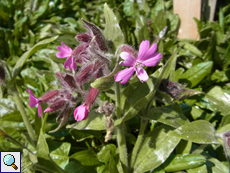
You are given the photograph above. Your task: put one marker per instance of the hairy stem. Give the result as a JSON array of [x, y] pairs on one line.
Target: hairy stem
[[23, 114], [121, 133]]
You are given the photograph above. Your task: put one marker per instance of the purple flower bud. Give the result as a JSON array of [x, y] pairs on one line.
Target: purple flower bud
[[67, 80], [99, 37], [48, 96], [79, 50], [82, 37], [81, 112], [130, 50], [57, 105], [91, 97], [85, 74]]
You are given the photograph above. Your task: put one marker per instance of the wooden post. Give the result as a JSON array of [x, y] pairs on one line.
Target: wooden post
[[187, 9]]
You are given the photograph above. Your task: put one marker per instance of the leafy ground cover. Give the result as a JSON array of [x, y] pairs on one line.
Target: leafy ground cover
[[172, 132]]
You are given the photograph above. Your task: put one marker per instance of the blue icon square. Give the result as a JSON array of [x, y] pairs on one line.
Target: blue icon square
[[10, 161]]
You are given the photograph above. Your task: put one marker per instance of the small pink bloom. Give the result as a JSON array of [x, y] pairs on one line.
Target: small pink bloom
[[146, 57], [66, 51], [81, 112], [34, 101]]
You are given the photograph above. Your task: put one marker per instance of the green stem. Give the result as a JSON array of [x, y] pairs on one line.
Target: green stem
[[23, 114], [121, 133], [44, 122], [138, 142], [18, 143]]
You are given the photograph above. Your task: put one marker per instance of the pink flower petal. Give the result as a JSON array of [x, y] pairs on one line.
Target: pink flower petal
[[150, 53], [124, 75], [81, 113], [33, 99], [143, 49], [153, 61], [129, 61], [47, 110], [65, 51], [142, 75], [39, 110], [69, 63]]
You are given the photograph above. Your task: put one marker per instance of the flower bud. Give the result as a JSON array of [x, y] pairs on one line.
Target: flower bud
[[85, 74], [81, 112], [176, 90], [226, 144], [67, 80], [130, 50], [82, 37], [95, 31], [48, 96], [56, 105], [79, 50], [91, 97]]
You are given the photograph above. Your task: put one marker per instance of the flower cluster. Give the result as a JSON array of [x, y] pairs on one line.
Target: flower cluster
[[91, 56], [93, 59]]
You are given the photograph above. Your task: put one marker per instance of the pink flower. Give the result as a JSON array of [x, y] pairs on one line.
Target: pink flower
[[146, 57], [66, 51], [34, 101], [81, 112]]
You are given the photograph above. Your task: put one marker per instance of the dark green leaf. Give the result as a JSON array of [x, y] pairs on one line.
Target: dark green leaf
[[152, 153], [86, 158], [199, 131], [196, 74], [167, 116]]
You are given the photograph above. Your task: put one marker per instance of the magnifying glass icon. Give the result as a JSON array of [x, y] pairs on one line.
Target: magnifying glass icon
[[9, 160]]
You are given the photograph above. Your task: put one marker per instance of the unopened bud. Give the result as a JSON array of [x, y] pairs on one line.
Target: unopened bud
[[91, 97], [48, 96], [130, 50], [85, 74], [78, 51], [82, 37], [56, 106], [100, 39], [176, 90], [226, 144], [67, 80]]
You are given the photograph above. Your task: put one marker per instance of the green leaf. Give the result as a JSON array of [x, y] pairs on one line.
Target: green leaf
[[216, 166], [112, 165], [200, 169], [60, 152], [112, 29], [75, 167], [199, 131], [196, 74], [167, 116], [94, 121], [43, 155], [106, 152], [86, 158], [183, 162], [193, 49], [80, 135], [155, 149], [216, 100], [30, 52]]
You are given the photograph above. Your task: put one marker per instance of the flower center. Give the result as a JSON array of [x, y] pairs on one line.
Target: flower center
[[138, 65]]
